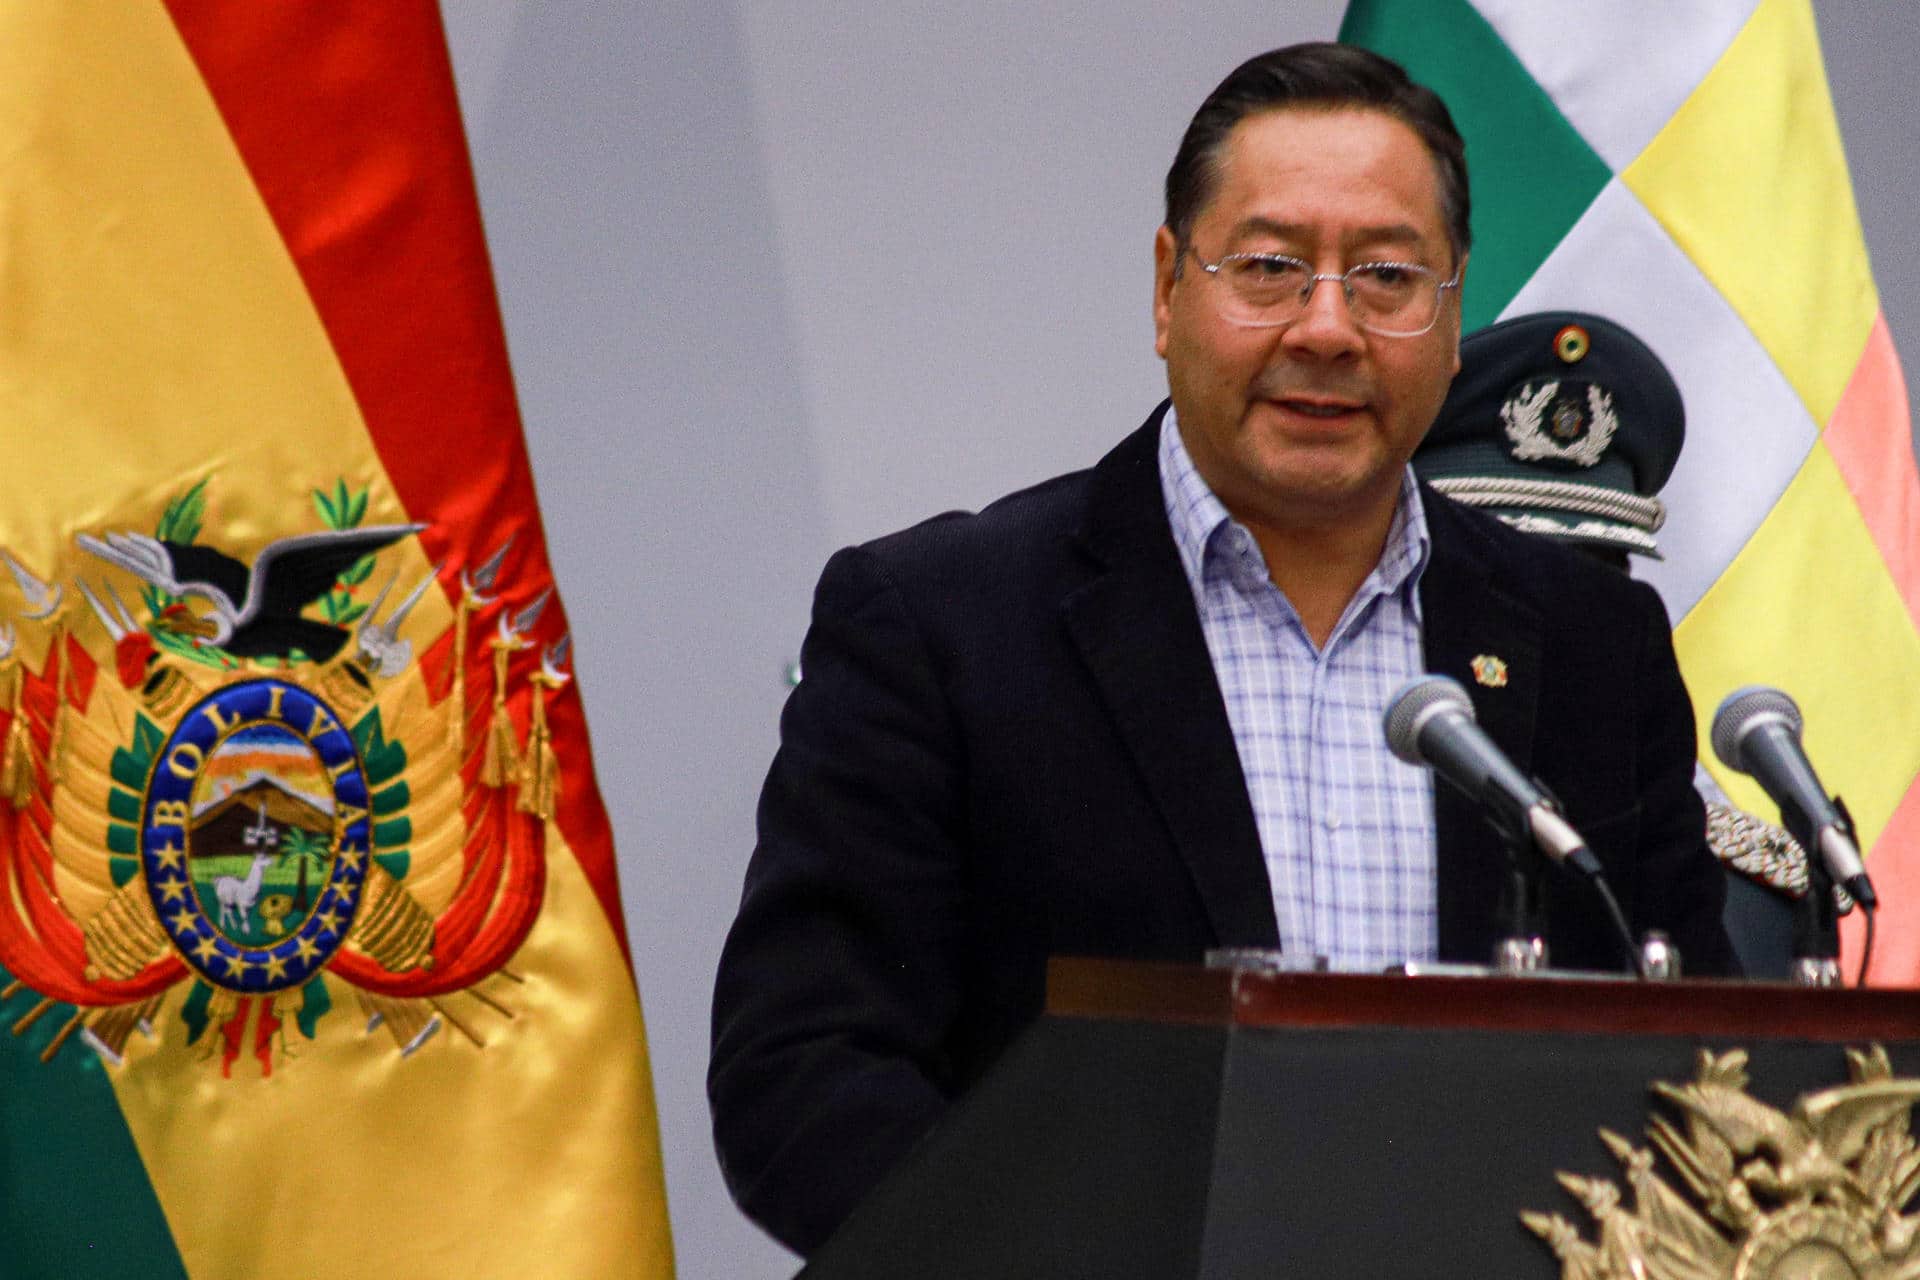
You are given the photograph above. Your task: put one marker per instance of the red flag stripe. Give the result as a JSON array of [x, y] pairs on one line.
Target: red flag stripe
[[350, 160]]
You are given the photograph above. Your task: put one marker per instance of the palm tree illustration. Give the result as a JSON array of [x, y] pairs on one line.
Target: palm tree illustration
[[302, 845]]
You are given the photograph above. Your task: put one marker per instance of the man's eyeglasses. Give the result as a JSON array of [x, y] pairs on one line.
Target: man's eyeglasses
[[1269, 290]]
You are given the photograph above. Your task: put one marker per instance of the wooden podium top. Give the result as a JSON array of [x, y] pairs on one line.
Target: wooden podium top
[[1134, 990]]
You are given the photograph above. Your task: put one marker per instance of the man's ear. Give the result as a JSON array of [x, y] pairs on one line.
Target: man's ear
[[1166, 256]]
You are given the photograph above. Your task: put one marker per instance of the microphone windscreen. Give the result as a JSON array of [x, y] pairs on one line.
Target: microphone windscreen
[[1740, 711], [1417, 703]]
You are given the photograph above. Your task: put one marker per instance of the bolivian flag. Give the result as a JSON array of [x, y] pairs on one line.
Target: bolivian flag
[[311, 951], [1678, 169]]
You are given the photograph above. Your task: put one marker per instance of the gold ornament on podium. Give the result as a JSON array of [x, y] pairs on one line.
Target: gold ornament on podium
[[1752, 1192]]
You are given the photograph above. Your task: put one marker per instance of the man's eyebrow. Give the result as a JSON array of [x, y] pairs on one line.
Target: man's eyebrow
[[1385, 233]]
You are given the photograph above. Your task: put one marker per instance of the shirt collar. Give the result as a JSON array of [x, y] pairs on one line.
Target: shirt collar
[[1199, 520]]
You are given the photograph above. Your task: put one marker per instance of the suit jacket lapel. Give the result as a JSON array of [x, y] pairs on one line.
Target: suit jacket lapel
[[1136, 627], [1466, 616]]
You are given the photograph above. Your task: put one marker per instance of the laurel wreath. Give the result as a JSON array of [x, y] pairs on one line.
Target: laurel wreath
[[180, 524], [344, 509]]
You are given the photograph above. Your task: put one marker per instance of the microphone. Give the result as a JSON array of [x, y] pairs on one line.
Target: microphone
[[1757, 731], [1430, 722]]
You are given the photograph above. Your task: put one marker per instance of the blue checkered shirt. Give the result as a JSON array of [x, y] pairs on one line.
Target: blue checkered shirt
[[1347, 830]]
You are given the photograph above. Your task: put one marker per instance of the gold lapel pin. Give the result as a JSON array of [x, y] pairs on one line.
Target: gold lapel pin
[[1490, 671]]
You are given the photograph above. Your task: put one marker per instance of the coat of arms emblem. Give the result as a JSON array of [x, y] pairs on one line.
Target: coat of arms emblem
[[239, 778], [1815, 1192]]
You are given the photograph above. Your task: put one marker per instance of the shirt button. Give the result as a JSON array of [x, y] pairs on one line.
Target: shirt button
[[1332, 821]]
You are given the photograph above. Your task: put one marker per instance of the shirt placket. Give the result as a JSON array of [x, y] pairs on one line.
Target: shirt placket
[[1321, 818], [1344, 922], [1302, 780], [1275, 628]]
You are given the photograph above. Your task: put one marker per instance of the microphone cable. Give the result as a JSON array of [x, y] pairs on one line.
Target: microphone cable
[[1866, 948], [1620, 925]]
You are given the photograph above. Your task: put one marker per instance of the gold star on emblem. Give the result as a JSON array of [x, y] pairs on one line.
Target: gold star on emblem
[[204, 950], [330, 919], [352, 858], [174, 890], [306, 949], [183, 921], [173, 858], [276, 968], [1489, 671]]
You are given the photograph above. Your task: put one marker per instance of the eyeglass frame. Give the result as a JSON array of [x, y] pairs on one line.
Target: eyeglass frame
[[1346, 290]]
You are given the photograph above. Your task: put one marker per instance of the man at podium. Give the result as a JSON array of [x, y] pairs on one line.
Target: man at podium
[[1135, 711]]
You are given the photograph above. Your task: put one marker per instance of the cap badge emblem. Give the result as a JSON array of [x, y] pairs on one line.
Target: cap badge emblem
[[1572, 343], [1489, 671], [1555, 423]]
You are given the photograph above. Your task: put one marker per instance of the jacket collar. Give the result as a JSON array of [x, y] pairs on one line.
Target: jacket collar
[[1484, 636], [1136, 627]]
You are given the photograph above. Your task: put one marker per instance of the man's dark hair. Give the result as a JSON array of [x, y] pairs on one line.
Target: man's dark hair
[[1320, 77]]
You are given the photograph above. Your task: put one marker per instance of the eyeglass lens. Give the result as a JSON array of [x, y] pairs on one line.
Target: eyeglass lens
[[1386, 297]]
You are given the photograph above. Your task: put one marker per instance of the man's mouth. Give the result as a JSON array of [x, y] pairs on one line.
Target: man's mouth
[[1319, 408]]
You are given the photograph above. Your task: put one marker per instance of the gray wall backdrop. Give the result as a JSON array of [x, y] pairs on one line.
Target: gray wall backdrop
[[780, 275]]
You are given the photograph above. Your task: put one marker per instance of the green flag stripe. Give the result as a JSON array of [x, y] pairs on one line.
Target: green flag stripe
[[1532, 174], [75, 1200]]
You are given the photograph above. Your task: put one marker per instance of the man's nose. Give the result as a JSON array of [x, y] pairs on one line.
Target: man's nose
[[1326, 326]]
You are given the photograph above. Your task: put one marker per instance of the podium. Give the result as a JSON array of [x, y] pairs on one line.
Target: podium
[[1164, 1121]]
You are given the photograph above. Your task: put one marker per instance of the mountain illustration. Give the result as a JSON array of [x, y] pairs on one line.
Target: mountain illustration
[[222, 827]]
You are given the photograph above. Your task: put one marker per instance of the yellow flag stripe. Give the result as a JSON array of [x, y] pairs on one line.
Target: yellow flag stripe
[[1776, 229], [1808, 606], [157, 328], [542, 1137]]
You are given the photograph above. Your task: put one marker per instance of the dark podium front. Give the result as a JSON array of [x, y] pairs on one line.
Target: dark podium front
[[1163, 1121]]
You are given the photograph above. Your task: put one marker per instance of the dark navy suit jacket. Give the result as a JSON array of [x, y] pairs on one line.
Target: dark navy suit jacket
[[1009, 744]]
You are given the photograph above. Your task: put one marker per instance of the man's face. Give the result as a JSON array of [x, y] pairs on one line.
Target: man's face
[[1308, 425]]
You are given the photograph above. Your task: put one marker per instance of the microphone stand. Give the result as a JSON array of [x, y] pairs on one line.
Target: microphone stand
[[1522, 945], [1816, 922], [1522, 949]]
